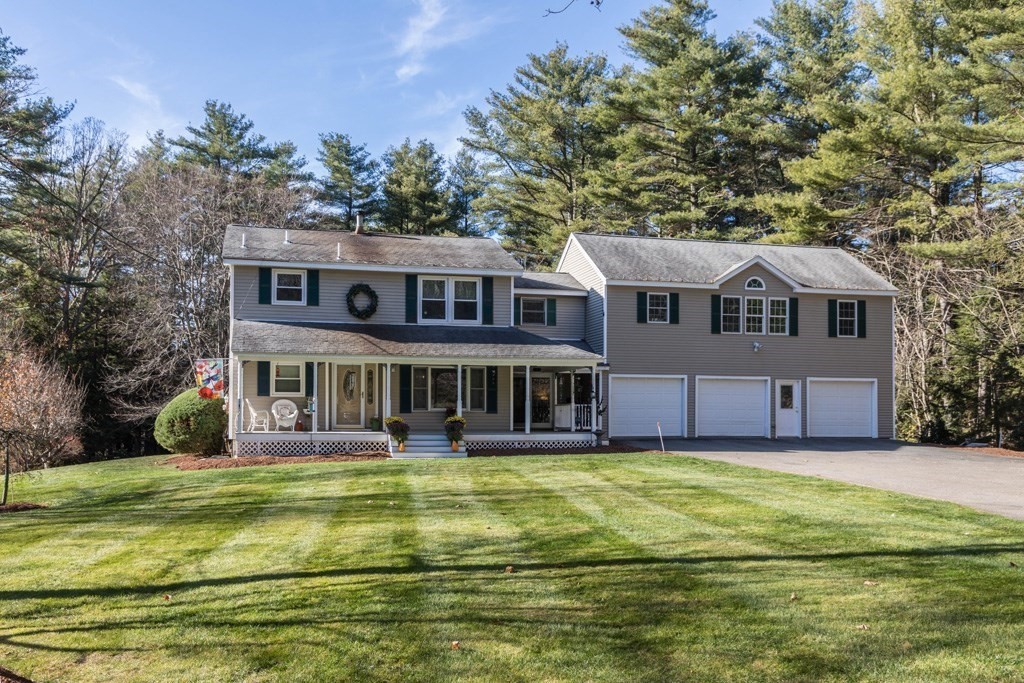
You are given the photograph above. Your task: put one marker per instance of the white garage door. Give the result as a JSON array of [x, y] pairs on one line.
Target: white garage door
[[841, 408], [732, 407], [639, 403]]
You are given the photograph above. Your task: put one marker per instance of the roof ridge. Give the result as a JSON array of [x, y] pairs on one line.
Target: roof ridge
[[326, 231], [697, 241]]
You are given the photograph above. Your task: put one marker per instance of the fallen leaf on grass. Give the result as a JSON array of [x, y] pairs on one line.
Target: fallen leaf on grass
[[510, 569], [793, 597], [167, 598], [870, 583], [863, 627], [455, 645], [1013, 564]]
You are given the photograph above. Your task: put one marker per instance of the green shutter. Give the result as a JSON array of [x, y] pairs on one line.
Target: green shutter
[[552, 312], [312, 287], [263, 378], [492, 389], [641, 307], [673, 308], [405, 388], [716, 314], [517, 312], [488, 296], [862, 318], [411, 294], [265, 285], [309, 380], [833, 318], [794, 316]]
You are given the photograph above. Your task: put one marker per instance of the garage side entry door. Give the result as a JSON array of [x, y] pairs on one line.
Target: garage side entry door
[[732, 406], [637, 404], [838, 407]]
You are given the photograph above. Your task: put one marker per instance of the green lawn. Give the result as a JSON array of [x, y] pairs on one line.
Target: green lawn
[[627, 567]]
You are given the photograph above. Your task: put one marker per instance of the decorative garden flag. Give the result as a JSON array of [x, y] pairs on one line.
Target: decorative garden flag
[[210, 377]]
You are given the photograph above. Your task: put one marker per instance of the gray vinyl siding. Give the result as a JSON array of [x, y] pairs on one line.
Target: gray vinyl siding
[[334, 286], [576, 264], [264, 402], [477, 422], [689, 348], [570, 316]]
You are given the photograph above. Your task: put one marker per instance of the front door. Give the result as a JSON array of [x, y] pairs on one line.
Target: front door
[[348, 395], [541, 401], [787, 408]]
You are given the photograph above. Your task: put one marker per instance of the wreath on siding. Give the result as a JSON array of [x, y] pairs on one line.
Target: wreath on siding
[[366, 311]]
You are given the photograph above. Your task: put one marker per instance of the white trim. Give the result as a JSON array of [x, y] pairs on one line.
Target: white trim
[[711, 287], [874, 399], [892, 341], [302, 378], [768, 328], [798, 402], [755, 261], [763, 316], [721, 314], [330, 265], [856, 321], [762, 288], [512, 303], [424, 360], [767, 400], [449, 301], [522, 321], [847, 292], [288, 271], [604, 288], [668, 313], [549, 292], [636, 375]]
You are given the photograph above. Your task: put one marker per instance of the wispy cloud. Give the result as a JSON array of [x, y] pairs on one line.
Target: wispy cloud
[[139, 91], [146, 115], [442, 103], [433, 27]]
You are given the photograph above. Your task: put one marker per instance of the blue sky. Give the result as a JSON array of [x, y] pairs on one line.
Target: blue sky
[[379, 71]]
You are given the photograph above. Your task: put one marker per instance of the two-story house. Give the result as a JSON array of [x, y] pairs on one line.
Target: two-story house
[[629, 336]]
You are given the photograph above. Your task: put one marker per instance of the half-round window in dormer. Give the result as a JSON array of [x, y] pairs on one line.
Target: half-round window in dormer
[[755, 283]]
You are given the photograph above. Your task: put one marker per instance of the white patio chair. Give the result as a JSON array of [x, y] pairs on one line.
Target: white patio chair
[[257, 418], [285, 414]]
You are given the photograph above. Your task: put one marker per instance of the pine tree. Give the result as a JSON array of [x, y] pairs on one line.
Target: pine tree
[[350, 186], [413, 199], [466, 186]]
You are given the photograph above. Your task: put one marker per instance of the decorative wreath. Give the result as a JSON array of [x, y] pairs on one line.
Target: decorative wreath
[[369, 309]]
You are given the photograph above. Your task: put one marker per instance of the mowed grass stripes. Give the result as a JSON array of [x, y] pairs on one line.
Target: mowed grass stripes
[[624, 567]]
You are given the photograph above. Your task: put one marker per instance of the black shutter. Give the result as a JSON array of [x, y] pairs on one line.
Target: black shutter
[[265, 285], [488, 297], [411, 294], [794, 316], [517, 312], [716, 314], [492, 389], [309, 380], [552, 313], [673, 308], [405, 388], [862, 318], [641, 307], [263, 378], [312, 287], [833, 318]]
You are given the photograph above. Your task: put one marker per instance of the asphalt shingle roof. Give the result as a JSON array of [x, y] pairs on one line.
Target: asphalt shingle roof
[[549, 281], [371, 248], [657, 259], [427, 341]]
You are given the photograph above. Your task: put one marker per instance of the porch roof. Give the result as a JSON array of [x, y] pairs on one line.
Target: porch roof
[[251, 337]]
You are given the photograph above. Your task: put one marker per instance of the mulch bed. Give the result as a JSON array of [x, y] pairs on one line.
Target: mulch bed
[[196, 462], [17, 507], [988, 450], [8, 676], [596, 450]]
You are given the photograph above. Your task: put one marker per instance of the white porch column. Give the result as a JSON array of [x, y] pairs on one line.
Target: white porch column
[[316, 395], [593, 397], [240, 402], [458, 389], [387, 392], [572, 400], [529, 401], [511, 398]]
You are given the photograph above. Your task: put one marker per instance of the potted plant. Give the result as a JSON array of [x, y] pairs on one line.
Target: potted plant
[[399, 431], [375, 424], [453, 428]]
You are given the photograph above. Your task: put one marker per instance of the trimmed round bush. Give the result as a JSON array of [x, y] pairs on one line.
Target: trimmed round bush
[[191, 424]]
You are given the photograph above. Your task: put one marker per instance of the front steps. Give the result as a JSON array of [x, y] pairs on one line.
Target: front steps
[[428, 446]]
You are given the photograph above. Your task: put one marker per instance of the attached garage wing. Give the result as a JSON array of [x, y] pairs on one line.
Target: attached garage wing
[[842, 407], [637, 404], [732, 406]]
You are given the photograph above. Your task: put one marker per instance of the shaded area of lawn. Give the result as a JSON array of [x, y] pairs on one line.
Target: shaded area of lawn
[[633, 566]]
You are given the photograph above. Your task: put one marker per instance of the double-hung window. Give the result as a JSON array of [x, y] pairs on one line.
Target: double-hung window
[[288, 379], [474, 387], [732, 314], [778, 316], [438, 389], [289, 287], [847, 318], [754, 323], [657, 307], [449, 299], [533, 311]]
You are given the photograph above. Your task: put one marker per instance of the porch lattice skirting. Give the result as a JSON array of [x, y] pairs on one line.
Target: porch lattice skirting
[[509, 442], [272, 444]]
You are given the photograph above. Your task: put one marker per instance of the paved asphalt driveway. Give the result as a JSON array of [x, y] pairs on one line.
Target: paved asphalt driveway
[[984, 482]]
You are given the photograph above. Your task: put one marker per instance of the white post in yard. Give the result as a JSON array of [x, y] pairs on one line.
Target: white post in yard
[[593, 398], [315, 413], [572, 400], [240, 402], [529, 401], [458, 390]]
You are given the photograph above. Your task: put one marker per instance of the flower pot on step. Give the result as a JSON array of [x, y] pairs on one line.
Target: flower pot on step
[[455, 446], [401, 447]]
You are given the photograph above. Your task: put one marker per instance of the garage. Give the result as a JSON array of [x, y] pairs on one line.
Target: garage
[[842, 407], [732, 406], [637, 403]]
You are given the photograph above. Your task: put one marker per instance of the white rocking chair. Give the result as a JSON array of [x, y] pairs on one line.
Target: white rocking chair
[[258, 419], [285, 414]]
